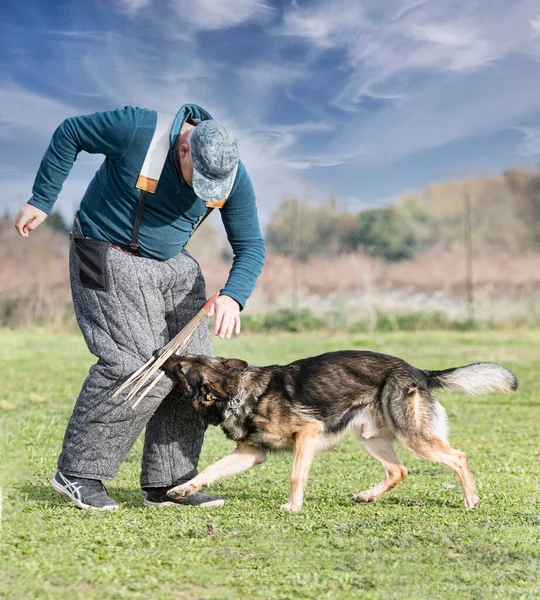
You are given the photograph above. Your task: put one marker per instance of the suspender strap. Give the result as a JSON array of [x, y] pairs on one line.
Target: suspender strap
[[208, 211], [133, 245]]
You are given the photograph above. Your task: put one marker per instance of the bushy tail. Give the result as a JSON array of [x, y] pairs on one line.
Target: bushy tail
[[478, 378]]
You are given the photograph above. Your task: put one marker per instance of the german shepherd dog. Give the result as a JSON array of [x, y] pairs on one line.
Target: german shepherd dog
[[309, 404]]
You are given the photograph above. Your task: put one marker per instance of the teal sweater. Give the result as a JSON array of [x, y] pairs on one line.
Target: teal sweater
[[108, 208]]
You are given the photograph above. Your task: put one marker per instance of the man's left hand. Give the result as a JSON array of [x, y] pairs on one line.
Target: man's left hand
[[227, 313]]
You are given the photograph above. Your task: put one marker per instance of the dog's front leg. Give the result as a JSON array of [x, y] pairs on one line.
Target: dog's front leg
[[244, 457], [305, 446]]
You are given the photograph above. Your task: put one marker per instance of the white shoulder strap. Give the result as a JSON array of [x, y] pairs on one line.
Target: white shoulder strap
[[156, 155]]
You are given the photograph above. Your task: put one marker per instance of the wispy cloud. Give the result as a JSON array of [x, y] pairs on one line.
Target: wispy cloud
[[211, 14], [29, 113], [535, 25], [437, 71], [324, 24], [135, 5], [406, 6], [162, 70], [316, 91], [530, 146], [404, 38], [216, 14]]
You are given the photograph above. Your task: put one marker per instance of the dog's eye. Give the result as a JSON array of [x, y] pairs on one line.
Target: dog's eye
[[211, 397]]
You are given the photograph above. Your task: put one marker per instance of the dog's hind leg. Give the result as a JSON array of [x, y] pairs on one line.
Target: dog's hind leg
[[305, 446], [425, 436], [241, 459], [438, 450], [382, 449]]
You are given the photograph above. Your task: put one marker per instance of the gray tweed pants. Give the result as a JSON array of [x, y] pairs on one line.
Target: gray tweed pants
[[146, 303]]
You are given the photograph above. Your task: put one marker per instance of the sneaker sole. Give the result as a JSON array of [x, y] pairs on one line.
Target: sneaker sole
[[212, 504], [62, 490]]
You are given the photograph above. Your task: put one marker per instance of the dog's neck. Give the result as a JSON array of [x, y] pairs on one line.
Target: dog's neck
[[239, 398]]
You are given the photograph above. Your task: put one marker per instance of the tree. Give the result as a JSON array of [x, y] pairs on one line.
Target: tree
[[316, 230], [386, 233]]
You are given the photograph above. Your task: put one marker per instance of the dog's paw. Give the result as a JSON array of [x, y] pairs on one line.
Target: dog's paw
[[471, 501], [364, 497], [182, 491], [290, 507]]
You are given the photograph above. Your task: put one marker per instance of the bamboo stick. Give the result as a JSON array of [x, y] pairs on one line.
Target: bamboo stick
[[133, 377], [176, 344], [147, 390], [187, 332]]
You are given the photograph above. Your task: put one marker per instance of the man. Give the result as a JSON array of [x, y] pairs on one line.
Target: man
[[134, 286]]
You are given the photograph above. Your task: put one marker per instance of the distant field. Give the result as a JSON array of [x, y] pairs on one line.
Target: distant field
[[416, 542]]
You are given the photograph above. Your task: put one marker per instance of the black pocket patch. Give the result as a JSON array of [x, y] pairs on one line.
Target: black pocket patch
[[91, 260]]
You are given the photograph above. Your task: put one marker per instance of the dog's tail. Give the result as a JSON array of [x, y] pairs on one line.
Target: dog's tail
[[478, 378]]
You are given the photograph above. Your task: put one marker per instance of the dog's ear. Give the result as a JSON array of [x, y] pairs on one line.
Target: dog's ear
[[173, 367], [234, 362]]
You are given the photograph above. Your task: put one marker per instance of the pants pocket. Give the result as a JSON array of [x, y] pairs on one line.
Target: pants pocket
[[91, 261]]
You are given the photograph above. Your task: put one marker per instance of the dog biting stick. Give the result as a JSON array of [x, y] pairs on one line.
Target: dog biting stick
[[175, 346]]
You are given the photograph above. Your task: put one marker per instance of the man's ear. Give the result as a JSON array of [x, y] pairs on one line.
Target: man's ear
[[173, 367], [234, 362]]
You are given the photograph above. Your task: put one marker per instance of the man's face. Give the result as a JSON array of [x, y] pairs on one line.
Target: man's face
[[186, 164]]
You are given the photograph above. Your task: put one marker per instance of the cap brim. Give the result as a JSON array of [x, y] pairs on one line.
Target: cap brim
[[212, 190]]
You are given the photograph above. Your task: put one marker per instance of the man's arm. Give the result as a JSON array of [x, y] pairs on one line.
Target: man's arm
[[109, 133], [241, 221]]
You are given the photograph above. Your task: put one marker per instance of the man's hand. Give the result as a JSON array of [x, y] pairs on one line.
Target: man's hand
[[28, 218], [227, 313]]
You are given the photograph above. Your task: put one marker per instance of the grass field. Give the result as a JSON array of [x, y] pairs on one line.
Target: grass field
[[416, 542]]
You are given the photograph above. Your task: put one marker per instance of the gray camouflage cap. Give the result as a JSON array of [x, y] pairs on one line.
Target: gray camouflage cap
[[214, 152]]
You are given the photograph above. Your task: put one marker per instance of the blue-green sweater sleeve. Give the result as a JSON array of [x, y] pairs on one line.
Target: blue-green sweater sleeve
[[239, 215], [109, 133]]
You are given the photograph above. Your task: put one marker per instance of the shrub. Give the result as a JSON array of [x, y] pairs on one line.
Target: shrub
[[412, 322], [285, 319], [387, 233]]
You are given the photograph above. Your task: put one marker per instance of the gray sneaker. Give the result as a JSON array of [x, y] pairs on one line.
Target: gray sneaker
[[88, 494], [157, 497]]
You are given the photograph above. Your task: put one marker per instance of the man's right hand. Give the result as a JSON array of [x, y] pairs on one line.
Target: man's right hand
[[28, 218]]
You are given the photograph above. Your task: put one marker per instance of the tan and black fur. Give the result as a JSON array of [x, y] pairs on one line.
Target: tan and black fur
[[309, 404]]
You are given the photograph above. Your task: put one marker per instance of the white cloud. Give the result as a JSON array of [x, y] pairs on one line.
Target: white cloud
[[22, 111], [440, 113], [438, 71], [123, 71], [406, 6], [135, 5], [209, 14], [411, 36], [325, 25], [217, 14], [27, 122], [404, 76], [530, 146]]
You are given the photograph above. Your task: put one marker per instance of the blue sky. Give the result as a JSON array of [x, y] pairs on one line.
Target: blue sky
[[358, 99]]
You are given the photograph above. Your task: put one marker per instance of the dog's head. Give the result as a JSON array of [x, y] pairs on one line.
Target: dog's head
[[212, 384]]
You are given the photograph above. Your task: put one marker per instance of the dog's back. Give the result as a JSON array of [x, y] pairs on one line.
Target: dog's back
[[338, 387]]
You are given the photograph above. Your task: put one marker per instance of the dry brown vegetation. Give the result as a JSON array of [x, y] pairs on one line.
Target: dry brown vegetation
[[34, 284], [34, 280]]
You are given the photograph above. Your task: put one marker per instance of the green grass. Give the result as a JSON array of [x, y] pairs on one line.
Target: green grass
[[416, 542]]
